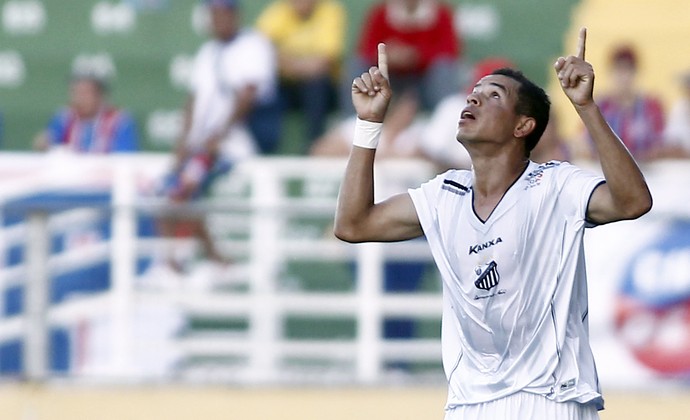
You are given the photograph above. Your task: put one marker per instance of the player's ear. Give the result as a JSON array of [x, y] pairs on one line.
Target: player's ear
[[524, 126]]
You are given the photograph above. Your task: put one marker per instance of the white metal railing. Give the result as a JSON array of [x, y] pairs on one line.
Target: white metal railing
[[268, 205]]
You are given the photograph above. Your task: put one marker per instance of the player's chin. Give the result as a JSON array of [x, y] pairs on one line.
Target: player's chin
[[464, 135]]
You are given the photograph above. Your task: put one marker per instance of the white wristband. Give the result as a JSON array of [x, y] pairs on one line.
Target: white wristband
[[367, 134]]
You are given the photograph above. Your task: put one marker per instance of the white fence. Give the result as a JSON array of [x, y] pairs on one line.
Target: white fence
[[274, 212], [256, 199]]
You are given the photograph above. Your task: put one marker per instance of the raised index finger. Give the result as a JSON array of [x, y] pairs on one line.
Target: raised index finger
[[383, 60], [581, 43]]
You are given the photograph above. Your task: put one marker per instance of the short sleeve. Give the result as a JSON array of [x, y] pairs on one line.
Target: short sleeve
[[575, 187], [425, 199]]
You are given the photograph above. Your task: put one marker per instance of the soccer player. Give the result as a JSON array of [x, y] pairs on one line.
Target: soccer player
[[507, 237]]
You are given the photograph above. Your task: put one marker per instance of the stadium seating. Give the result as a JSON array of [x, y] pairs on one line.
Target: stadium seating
[[145, 46]]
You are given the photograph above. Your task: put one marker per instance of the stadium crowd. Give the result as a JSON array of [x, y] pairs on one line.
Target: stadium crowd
[[306, 73]]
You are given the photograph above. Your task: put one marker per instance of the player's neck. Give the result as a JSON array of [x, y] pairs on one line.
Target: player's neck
[[493, 176]]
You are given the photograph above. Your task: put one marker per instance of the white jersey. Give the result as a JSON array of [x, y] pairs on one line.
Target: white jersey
[[514, 286], [220, 70]]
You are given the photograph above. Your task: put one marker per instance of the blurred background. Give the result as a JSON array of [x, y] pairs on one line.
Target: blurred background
[[148, 272]]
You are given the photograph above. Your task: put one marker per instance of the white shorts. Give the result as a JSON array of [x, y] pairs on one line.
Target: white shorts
[[524, 406]]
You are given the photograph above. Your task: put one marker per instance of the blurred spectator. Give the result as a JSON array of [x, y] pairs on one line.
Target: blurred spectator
[[233, 75], [89, 124], [309, 36], [677, 135], [423, 49], [636, 116]]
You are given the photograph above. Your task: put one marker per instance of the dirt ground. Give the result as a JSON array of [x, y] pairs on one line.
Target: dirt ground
[[67, 402]]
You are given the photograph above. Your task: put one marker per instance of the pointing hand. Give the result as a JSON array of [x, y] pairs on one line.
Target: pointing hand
[[576, 75], [371, 92]]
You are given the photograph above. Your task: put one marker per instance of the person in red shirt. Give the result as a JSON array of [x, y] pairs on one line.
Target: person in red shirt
[[423, 47]]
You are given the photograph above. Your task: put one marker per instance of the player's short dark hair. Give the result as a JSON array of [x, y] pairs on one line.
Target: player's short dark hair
[[532, 102]]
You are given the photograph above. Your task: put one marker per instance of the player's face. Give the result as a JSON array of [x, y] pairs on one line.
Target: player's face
[[489, 115]]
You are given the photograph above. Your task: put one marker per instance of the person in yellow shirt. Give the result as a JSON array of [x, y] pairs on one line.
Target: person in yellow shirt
[[309, 36]]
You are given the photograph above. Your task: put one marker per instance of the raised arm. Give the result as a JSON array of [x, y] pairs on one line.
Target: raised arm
[[357, 218], [625, 194]]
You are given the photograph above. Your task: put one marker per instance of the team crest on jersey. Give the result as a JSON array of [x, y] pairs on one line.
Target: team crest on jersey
[[488, 276], [534, 178]]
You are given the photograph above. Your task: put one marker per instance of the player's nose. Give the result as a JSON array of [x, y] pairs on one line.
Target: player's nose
[[473, 99]]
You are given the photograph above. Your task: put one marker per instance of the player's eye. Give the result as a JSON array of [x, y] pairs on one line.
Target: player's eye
[[495, 95]]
